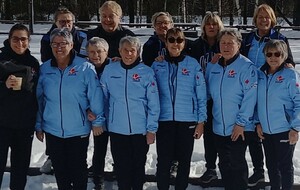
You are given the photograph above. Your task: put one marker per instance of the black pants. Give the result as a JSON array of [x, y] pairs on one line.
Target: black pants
[[20, 143], [129, 154], [255, 149], [232, 162], [69, 161], [210, 151], [100, 148], [279, 160], [174, 139]]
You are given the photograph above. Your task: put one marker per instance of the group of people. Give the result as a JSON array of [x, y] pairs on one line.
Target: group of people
[[237, 92]]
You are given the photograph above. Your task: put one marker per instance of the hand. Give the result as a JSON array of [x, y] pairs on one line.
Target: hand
[[150, 137], [199, 130], [289, 65], [237, 132], [259, 132], [40, 135], [114, 59], [293, 137], [11, 81], [160, 58], [91, 115], [216, 58], [97, 131]]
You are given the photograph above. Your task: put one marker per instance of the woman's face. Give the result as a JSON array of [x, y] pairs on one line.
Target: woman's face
[[263, 20], [175, 45], [229, 46], [65, 21], [129, 53], [61, 47], [211, 29], [19, 41], [109, 20], [96, 54], [162, 25], [274, 58]]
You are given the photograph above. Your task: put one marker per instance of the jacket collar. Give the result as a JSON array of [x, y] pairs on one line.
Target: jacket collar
[[72, 52], [266, 67], [174, 60], [137, 61], [222, 60]]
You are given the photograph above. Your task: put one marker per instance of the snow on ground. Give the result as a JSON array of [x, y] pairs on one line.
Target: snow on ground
[[47, 182]]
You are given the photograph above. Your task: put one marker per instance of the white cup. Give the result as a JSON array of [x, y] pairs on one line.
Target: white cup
[[18, 84]]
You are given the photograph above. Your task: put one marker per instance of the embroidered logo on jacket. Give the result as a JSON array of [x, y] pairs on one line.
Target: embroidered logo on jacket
[[247, 81], [185, 71], [72, 72], [279, 79], [136, 77], [231, 73]]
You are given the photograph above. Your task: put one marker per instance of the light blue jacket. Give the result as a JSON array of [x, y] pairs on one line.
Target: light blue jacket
[[182, 90], [64, 97], [233, 89], [278, 105], [132, 94]]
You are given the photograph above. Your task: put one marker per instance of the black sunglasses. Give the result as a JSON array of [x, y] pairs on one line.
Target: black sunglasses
[[276, 54], [178, 40]]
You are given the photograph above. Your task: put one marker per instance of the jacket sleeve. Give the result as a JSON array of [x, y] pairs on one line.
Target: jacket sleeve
[[248, 82], [153, 103], [95, 96], [294, 91], [290, 56], [40, 101], [46, 51], [201, 94], [149, 54]]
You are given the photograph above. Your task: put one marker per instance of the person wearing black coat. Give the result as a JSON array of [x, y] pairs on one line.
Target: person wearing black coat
[[110, 28], [18, 108]]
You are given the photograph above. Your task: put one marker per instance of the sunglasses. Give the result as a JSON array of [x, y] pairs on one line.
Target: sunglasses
[[177, 40], [276, 54]]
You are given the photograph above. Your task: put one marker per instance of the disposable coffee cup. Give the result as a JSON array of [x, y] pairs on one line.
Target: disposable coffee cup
[[18, 83]]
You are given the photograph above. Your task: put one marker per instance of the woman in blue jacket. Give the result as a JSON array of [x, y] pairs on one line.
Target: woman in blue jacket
[[68, 86], [232, 86], [131, 91], [182, 94], [278, 109]]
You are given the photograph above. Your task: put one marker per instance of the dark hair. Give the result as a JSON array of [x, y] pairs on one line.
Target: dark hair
[[18, 27], [175, 31]]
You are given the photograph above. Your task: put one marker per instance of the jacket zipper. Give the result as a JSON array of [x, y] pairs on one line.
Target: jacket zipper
[[126, 99], [223, 121], [60, 102]]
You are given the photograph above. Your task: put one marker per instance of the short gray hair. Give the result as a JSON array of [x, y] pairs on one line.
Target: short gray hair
[[133, 41], [64, 32], [278, 45], [98, 42], [232, 32]]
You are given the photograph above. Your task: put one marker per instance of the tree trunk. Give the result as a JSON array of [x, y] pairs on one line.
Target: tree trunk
[[296, 21], [131, 10]]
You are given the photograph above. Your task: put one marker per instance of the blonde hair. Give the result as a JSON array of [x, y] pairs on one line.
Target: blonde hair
[[270, 12], [114, 6], [208, 18], [158, 14]]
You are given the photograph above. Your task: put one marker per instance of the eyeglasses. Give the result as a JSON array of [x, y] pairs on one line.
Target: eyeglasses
[[276, 54], [177, 40], [162, 22], [16, 39], [60, 44], [62, 22]]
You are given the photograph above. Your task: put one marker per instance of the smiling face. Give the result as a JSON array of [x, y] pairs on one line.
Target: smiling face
[[263, 21], [61, 47], [175, 44], [129, 53], [162, 25], [96, 54], [274, 58], [109, 19], [64, 21], [229, 46], [19, 41]]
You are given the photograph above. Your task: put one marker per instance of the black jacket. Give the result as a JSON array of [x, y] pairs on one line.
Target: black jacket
[[18, 108], [113, 39], [46, 51]]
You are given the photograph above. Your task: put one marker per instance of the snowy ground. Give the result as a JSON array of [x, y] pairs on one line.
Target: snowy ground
[[47, 182]]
